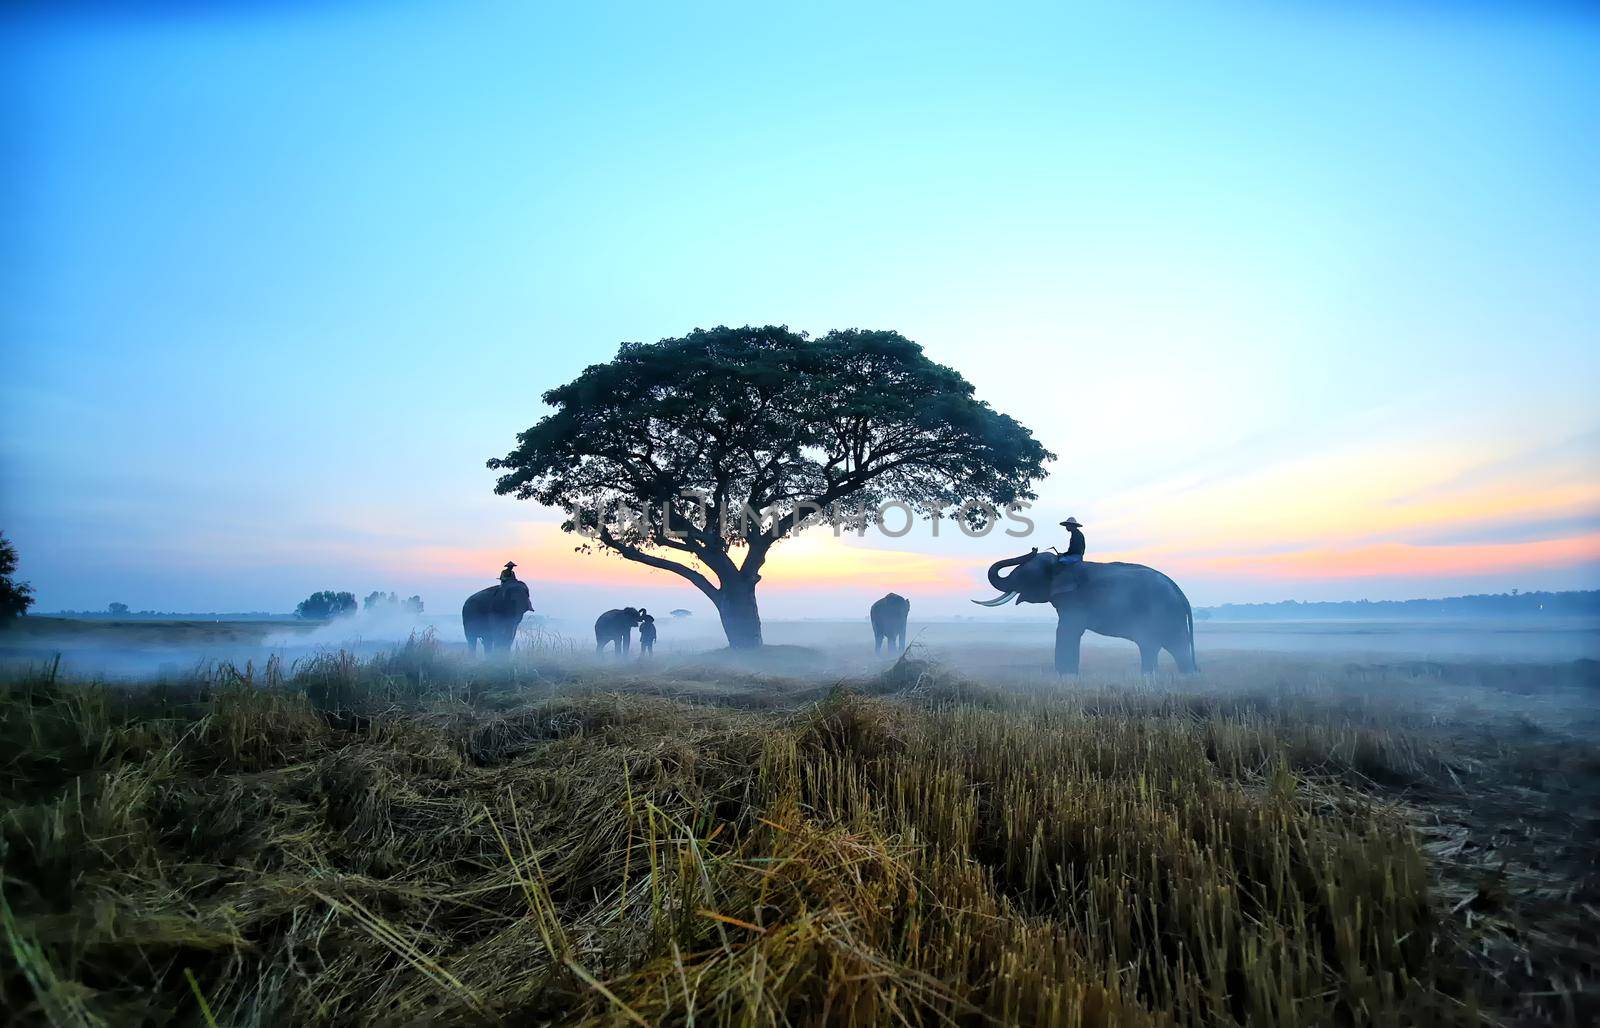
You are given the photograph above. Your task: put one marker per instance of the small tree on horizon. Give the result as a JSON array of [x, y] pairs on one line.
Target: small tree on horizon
[[320, 606], [117, 609], [763, 420], [15, 597]]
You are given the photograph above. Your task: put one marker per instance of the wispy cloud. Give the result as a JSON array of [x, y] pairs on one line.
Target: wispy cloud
[[1365, 491], [1393, 560]]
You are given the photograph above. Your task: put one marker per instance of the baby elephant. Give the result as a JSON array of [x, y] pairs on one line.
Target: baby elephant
[[647, 633], [616, 627], [889, 622]]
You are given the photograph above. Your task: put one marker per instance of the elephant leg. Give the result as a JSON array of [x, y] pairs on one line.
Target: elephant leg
[[1149, 653], [877, 641], [1183, 655], [625, 643], [1069, 641]]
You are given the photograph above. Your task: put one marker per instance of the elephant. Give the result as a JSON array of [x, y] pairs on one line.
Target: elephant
[[493, 614], [1127, 601], [889, 622], [616, 627]]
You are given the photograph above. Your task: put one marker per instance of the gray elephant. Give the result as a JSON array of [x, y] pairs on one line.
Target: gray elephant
[[616, 627], [1127, 601], [889, 622], [493, 614]]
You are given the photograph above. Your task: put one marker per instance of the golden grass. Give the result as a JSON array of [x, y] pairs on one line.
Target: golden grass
[[418, 840]]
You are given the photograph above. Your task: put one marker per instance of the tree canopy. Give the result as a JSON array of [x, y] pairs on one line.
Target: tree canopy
[[379, 600], [769, 421], [326, 604], [15, 597]]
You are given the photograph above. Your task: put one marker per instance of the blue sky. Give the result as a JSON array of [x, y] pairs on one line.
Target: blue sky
[[1286, 287]]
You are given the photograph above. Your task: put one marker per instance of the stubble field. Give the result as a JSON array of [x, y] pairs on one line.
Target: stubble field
[[415, 837]]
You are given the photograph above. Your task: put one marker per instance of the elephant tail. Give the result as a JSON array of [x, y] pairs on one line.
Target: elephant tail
[[1188, 617], [1194, 659]]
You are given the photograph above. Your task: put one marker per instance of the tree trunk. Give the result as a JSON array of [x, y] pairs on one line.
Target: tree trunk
[[741, 618]]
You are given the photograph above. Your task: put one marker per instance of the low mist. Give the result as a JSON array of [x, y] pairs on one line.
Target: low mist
[[377, 623]]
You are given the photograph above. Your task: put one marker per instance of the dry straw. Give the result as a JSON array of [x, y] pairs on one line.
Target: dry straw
[[420, 840]]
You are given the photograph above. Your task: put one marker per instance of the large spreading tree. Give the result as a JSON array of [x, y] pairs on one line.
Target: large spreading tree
[[696, 455]]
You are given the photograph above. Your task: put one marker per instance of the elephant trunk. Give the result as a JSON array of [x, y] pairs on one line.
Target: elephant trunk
[[1002, 583], [999, 581]]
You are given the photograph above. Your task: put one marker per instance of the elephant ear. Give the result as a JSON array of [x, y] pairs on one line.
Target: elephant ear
[[1032, 579]]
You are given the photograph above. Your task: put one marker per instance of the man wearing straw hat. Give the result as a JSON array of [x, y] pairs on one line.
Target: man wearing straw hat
[[1071, 562]]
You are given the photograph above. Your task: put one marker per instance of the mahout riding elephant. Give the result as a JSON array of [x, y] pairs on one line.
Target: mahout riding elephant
[[889, 622], [493, 614], [616, 627], [1127, 601]]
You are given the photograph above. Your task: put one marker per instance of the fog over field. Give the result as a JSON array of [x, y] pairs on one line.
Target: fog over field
[[996, 643]]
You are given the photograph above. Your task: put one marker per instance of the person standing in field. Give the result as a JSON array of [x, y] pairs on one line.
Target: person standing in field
[[647, 633]]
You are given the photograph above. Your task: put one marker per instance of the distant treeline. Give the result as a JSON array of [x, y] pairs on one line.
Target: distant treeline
[[1512, 604], [166, 615]]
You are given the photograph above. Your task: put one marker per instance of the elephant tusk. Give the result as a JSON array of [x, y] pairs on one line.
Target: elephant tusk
[[997, 601]]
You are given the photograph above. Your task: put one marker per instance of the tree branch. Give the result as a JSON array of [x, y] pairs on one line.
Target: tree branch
[[633, 553]]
